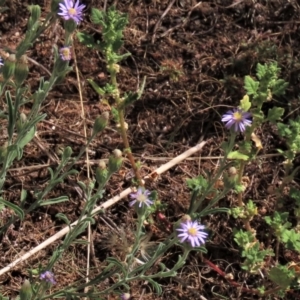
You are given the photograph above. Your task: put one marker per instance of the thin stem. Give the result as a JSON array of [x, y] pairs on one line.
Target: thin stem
[[240, 176], [123, 130], [128, 150], [272, 291], [240, 194]]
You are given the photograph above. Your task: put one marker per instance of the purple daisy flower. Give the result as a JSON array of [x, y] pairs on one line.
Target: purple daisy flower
[[70, 10], [237, 118], [48, 276], [1, 62], [65, 53], [141, 197], [192, 232]]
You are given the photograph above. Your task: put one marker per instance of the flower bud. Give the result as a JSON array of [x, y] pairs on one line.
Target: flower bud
[[186, 218], [117, 153], [60, 65], [116, 68], [59, 150], [21, 122], [25, 292], [232, 171], [115, 161], [70, 26], [55, 6], [101, 122], [21, 70], [118, 127], [35, 11], [23, 118], [67, 153], [102, 164], [9, 66], [101, 173]]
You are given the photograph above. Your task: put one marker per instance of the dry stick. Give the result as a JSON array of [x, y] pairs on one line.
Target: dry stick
[[39, 65], [160, 20], [88, 168], [185, 21], [105, 205], [96, 162]]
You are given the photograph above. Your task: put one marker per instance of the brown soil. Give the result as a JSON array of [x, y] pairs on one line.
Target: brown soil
[[195, 55]]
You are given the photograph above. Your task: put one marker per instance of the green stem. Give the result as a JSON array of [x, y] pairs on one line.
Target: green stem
[[240, 194], [272, 291], [240, 177], [123, 129]]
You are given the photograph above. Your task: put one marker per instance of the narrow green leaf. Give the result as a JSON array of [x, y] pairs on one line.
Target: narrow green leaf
[[96, 87], [63, 217], [54, 200], [11, 119], [18, 211], [66, 155], [156, 286], [51, 173], [19, 152], [116, 262], [237, 155], [23, 195], [129, 98], [27, 138], [81, 242], [215, 211]]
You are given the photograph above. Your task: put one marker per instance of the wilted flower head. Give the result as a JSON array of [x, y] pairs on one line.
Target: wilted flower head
[[125, 296], [65, 53], [146, 247], [141, 197], [237, 118], [1, 62], [48, 276], [70, 10], [192, 232]]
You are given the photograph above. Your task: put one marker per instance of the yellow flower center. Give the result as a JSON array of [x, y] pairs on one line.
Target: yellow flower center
[[141, 198], [72, 11], [237, 116], [192, 231], [65, 52]]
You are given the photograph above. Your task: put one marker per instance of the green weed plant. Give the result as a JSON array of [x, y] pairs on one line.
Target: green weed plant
[[150, 267]]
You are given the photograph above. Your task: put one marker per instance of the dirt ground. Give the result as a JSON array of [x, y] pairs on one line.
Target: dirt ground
[[195, 55]]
